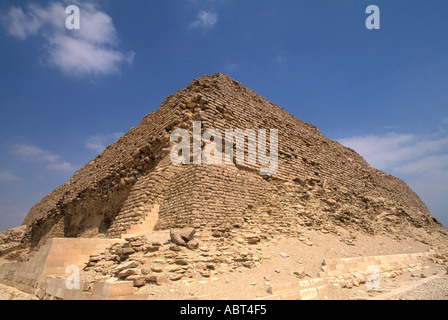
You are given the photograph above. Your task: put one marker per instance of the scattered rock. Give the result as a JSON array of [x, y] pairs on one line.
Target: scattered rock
[[210, 266], [156, 269], [127, 251], [205, 273], [177, 238], [129, 272], [157, 279], [216, 234], [309, 243], [201, 266], [137, 280], [175, 248], [301, 274], [176, 277], [252, 238], [187, 233], [193, 244], [150, 248], [181, 262], [126, 265]]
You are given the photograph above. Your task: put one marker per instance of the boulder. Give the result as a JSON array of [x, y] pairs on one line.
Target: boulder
[[175, 277], [126, 265], [177, 238], [137, 280], [193, 244], [157, 279], [129, 272], [187, 233]]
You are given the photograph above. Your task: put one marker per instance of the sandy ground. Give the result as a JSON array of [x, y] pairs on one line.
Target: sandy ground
[[283, 256]]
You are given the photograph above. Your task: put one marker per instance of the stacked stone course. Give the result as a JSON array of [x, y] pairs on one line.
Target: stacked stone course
[[319, 183]]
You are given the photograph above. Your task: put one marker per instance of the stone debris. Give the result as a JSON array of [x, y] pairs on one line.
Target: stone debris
[[301, 274], [187, 233], [167, 261]]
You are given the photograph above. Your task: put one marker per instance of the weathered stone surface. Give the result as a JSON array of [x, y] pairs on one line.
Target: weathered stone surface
[[177, 238], [12, 240], [176, 277], [181, 262], [252, 238], [127, 251], [129, 272], [160, 279], [193, 244], [201, 266], [156, 269], [126, 265], [151, 248], [137, 280], [301, 274], [187, 233]]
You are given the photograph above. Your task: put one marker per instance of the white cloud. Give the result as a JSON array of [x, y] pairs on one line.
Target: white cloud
[[390, 150], [231, 67], [8, 176], [19, 24], [99, 142], [424, 165], [280, 59], [32, 153], [421, 161], [93, 49], [206, 20]]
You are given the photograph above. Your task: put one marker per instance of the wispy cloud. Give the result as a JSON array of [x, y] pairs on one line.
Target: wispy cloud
[[424, 165], [280, 59], [6, 175], [98, 143], [205, 20], [231, 67], [32, 153], [392, 150], [93, 49], [420, 160]]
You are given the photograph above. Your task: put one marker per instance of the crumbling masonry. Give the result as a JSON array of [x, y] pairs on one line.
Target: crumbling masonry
[[319, 184]]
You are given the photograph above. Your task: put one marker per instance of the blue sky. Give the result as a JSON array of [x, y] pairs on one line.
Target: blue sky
[[66, 94]]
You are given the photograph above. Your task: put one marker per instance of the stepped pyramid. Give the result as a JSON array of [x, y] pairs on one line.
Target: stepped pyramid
[[133, 186]]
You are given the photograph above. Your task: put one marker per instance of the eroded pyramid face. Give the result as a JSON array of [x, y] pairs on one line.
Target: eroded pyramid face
[[274, 173]]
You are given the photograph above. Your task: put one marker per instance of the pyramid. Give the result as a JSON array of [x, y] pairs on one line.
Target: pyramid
[[134, 186]]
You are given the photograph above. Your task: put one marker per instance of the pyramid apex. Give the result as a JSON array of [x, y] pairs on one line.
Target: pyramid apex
[[217, 80]]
